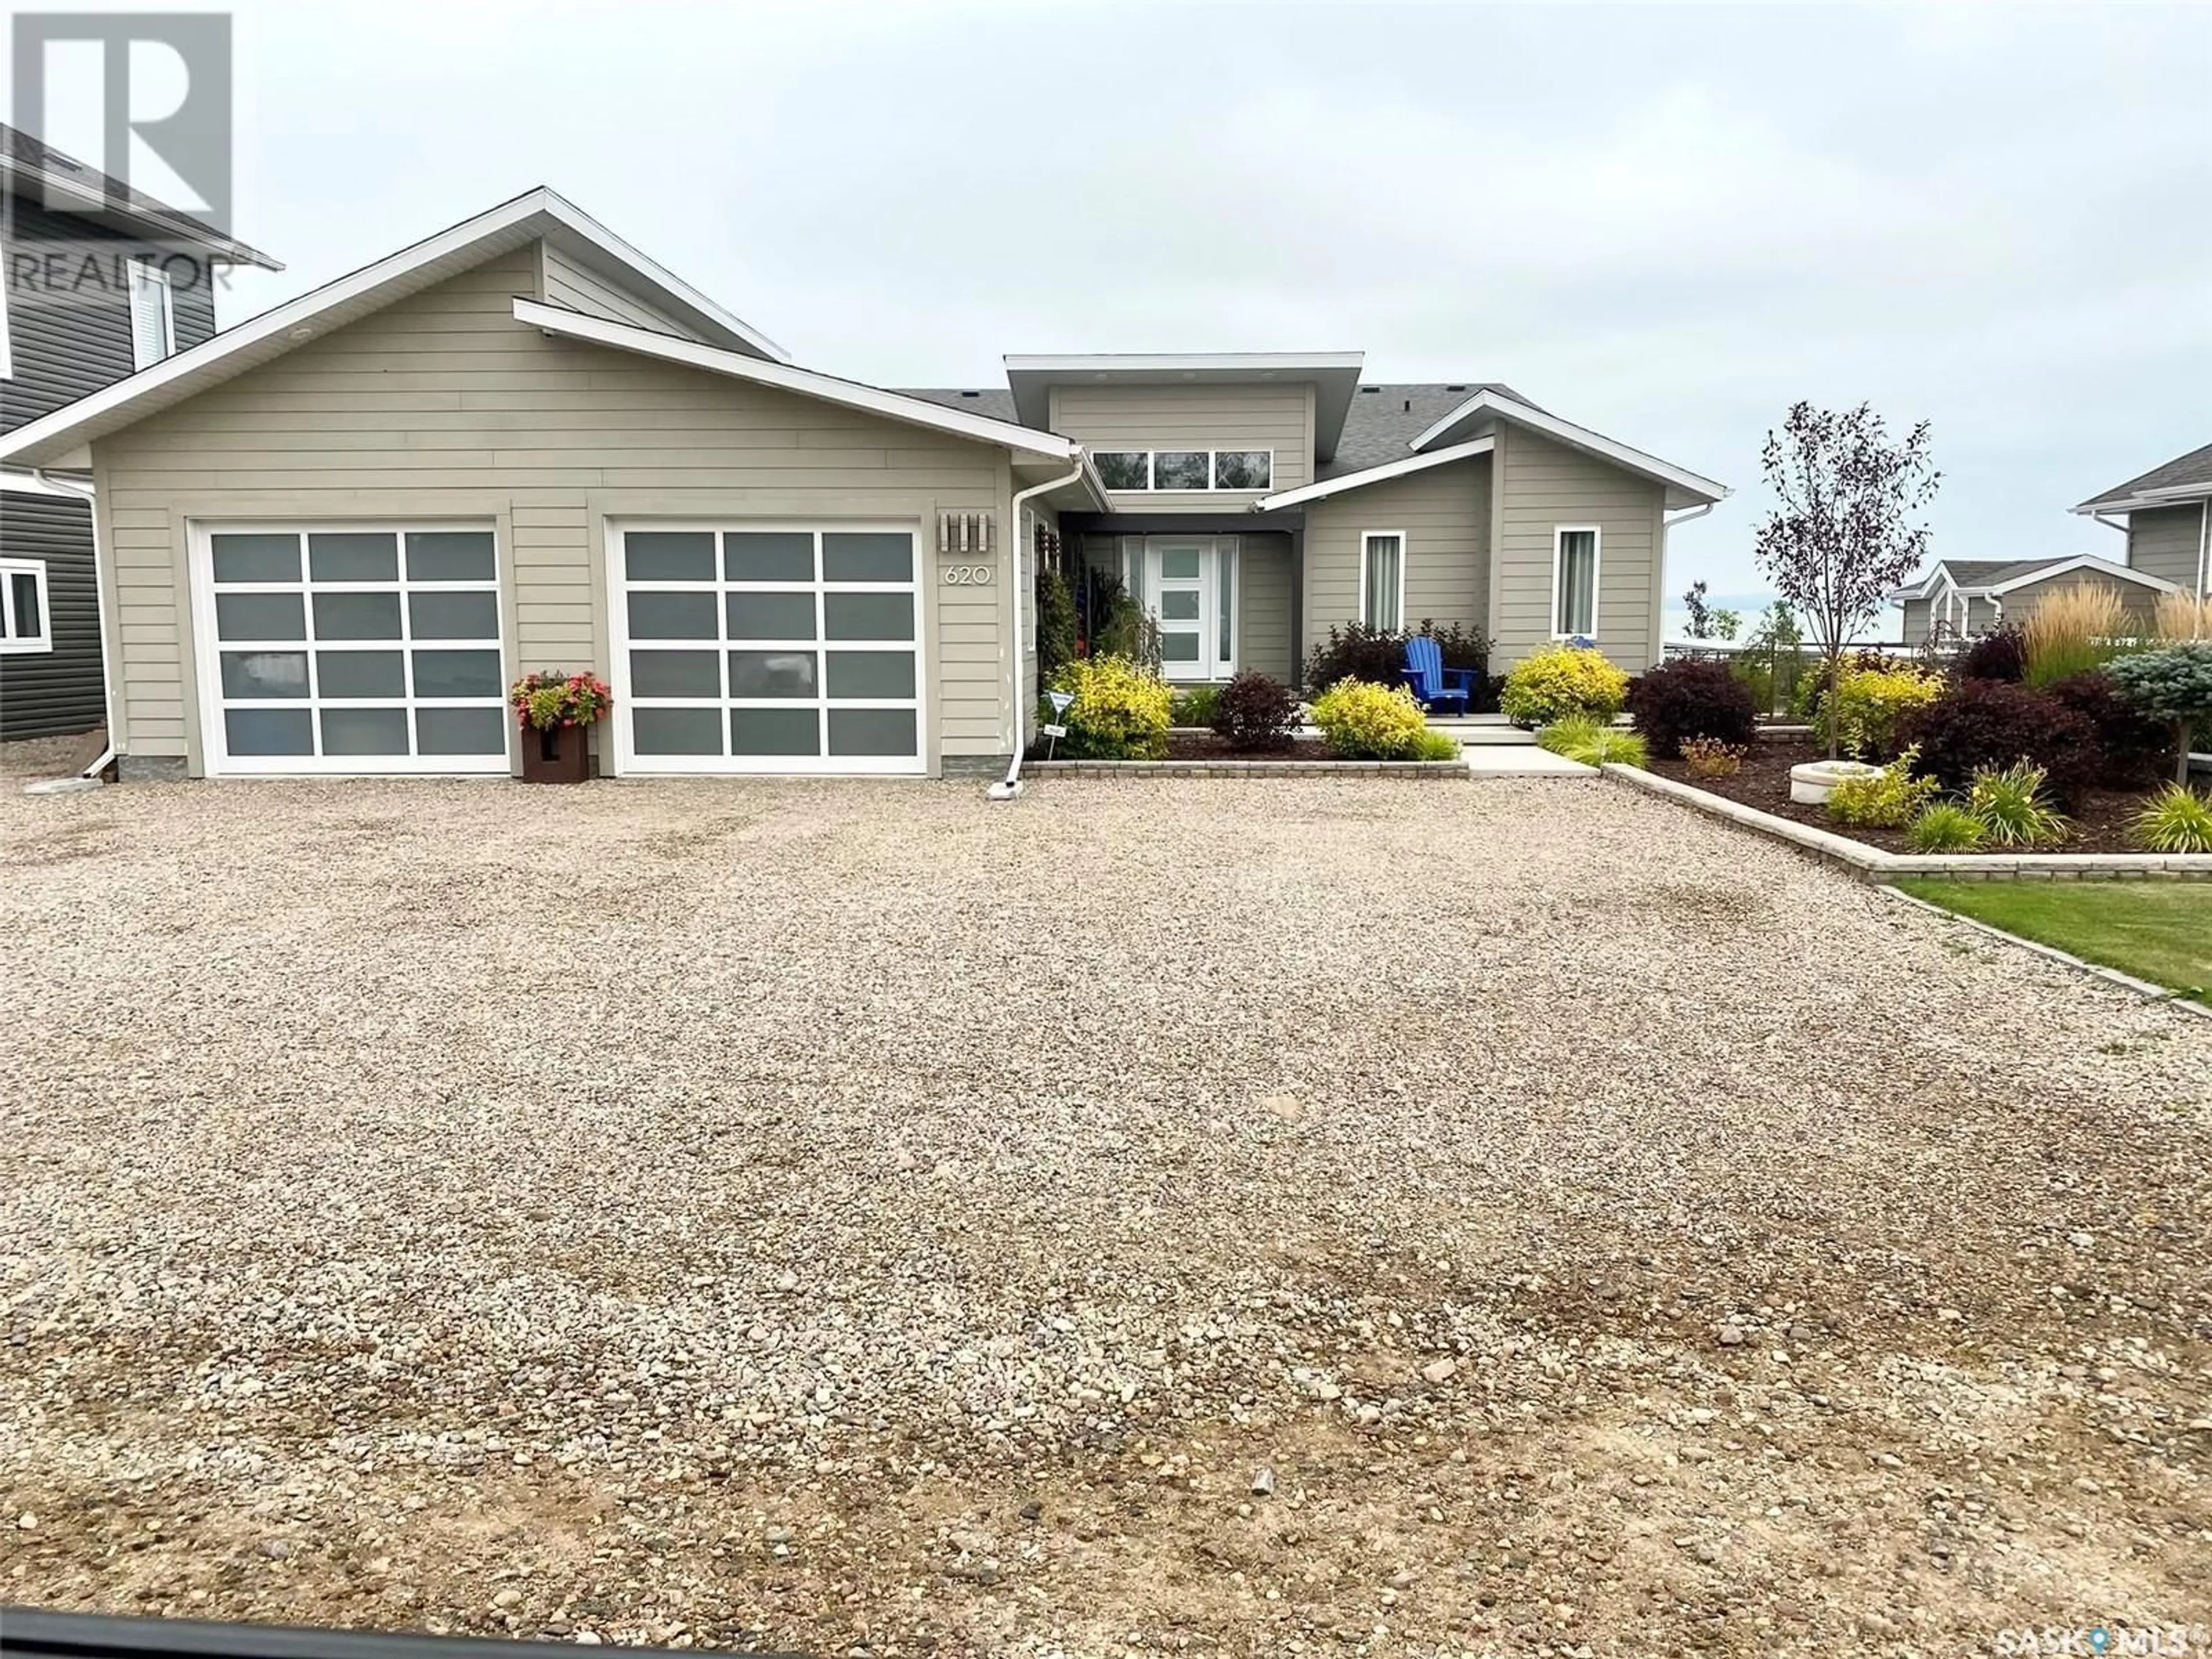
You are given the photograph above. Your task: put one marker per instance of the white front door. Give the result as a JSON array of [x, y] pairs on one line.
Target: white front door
[[1190, 587]]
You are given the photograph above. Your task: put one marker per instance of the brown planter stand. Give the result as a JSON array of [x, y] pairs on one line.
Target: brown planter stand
[[556, 754]]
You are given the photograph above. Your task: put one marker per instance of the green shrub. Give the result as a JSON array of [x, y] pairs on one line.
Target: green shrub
[[1872, 703], [2178, 820], [1195, 706], [2173, 685], [1889, 799], [1365, 721], [1121, 710], [1057, 628], [2012, 808], [1945, 826], [1254, 712], [1592, 742], [1354, 651], [1436, 746], [1561, 681]]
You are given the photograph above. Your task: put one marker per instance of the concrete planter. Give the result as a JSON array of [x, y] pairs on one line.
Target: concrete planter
[[1810, 784]]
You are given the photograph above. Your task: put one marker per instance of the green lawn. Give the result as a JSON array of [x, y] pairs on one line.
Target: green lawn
[[2160, 931]]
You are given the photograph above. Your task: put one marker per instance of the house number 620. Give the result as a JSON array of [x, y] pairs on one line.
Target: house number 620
[[967, 576]]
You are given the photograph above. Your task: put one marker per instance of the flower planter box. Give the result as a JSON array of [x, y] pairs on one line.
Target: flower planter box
[[557, 754]]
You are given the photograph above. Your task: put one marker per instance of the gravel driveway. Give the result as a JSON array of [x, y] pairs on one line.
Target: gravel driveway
[[855, 1219]]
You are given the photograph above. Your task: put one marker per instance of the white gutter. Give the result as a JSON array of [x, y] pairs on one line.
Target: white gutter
[[110, 665], [1012, 785]]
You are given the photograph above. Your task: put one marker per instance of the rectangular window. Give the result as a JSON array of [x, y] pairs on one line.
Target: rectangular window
[[1125, 469], [1574, 583], [1187, 470], [153, 314], [1383, 580], [25, 627]]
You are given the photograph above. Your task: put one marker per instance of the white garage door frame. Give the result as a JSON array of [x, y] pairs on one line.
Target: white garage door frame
[[628, 762], [215, 758]]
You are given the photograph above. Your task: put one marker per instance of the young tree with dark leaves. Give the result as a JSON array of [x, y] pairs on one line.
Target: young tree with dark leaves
[[1701, 616], [1837, 541]]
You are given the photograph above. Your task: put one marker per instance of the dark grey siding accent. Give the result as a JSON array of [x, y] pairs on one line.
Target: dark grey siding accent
[[50, 694], [68, 306], [2166, 541]]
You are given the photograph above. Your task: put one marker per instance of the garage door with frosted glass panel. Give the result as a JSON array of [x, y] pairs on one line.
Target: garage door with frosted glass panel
[[768, 650], [352, 650]]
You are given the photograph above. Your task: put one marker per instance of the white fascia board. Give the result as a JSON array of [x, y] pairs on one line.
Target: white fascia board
[[299, 320], [852, 394], [1160, 363], [582, 224], [2087, 562], [79, 195], [2172, 495], [1315, 492], [1635, 461]]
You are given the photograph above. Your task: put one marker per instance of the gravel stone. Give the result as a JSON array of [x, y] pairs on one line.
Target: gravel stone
[[366, 1139]]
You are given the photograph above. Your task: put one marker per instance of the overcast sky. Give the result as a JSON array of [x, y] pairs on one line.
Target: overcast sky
[[1665, 223]]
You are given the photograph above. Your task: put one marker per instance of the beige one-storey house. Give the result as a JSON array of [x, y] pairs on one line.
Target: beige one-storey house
[[328, 538]]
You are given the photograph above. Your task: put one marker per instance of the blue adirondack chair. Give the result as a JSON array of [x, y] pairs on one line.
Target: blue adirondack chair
[[1437, 686]]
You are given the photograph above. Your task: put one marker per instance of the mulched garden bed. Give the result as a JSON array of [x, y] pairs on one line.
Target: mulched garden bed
[[2101, 822]]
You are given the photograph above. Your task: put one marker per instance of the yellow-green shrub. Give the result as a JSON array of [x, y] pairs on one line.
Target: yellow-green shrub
[[1887, 800], [1871, 703], [1119, 712], [1561, 681], [1365, 721]]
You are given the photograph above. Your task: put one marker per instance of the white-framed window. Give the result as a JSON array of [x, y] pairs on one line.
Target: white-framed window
[[349, 648], [153, 314], [1574, 581], [26, 625], [1186, 470], [1383, 579]]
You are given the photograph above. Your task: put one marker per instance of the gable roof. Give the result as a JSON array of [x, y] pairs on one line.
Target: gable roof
[[536, 215], [1993, 578], [37, 170], [2184, 479], [999, 405], [1684, 487], [851, 394], [1397, 469]]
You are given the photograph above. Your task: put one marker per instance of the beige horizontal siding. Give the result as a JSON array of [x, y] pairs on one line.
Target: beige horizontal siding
[[443, 406], [1122, 417], [1443, 512], [2139, 603], [1263, 607], [565, 282], [1544, 486], [2167, 542]]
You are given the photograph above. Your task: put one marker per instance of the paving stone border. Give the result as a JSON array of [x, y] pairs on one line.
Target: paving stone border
[[1873, 864], [2142, 987], [1205, 769]]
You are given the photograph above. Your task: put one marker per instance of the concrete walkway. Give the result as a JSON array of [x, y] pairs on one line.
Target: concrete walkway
[[1507, 760]]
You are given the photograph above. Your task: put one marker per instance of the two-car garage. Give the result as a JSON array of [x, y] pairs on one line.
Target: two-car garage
[[351, 649]]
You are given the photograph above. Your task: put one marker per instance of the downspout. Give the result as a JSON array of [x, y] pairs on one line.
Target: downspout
[[1011, 786], [110, 665], [1666, 524]]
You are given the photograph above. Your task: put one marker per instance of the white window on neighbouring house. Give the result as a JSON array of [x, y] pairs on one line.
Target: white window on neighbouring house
[[1574, 582], [6, 338], [25, 625], [153, 314], [1383, 580]]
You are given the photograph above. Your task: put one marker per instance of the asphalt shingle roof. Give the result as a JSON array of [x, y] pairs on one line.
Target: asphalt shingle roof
[[2195, 467], [25, 150], [1384, 419]]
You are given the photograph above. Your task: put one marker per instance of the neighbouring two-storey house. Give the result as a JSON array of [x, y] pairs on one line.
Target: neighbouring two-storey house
[[334, 534], [96, 282]]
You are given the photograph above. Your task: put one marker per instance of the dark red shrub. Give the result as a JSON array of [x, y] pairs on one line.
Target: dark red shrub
[[1691, 698], [1979, 723], [1254, 712], [2136, 749], [1999, 654]]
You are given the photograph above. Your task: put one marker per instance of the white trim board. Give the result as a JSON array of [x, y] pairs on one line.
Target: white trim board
[[892, 406], [528, 218], [2086, 562], [1697, 487], [1313, 492]]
